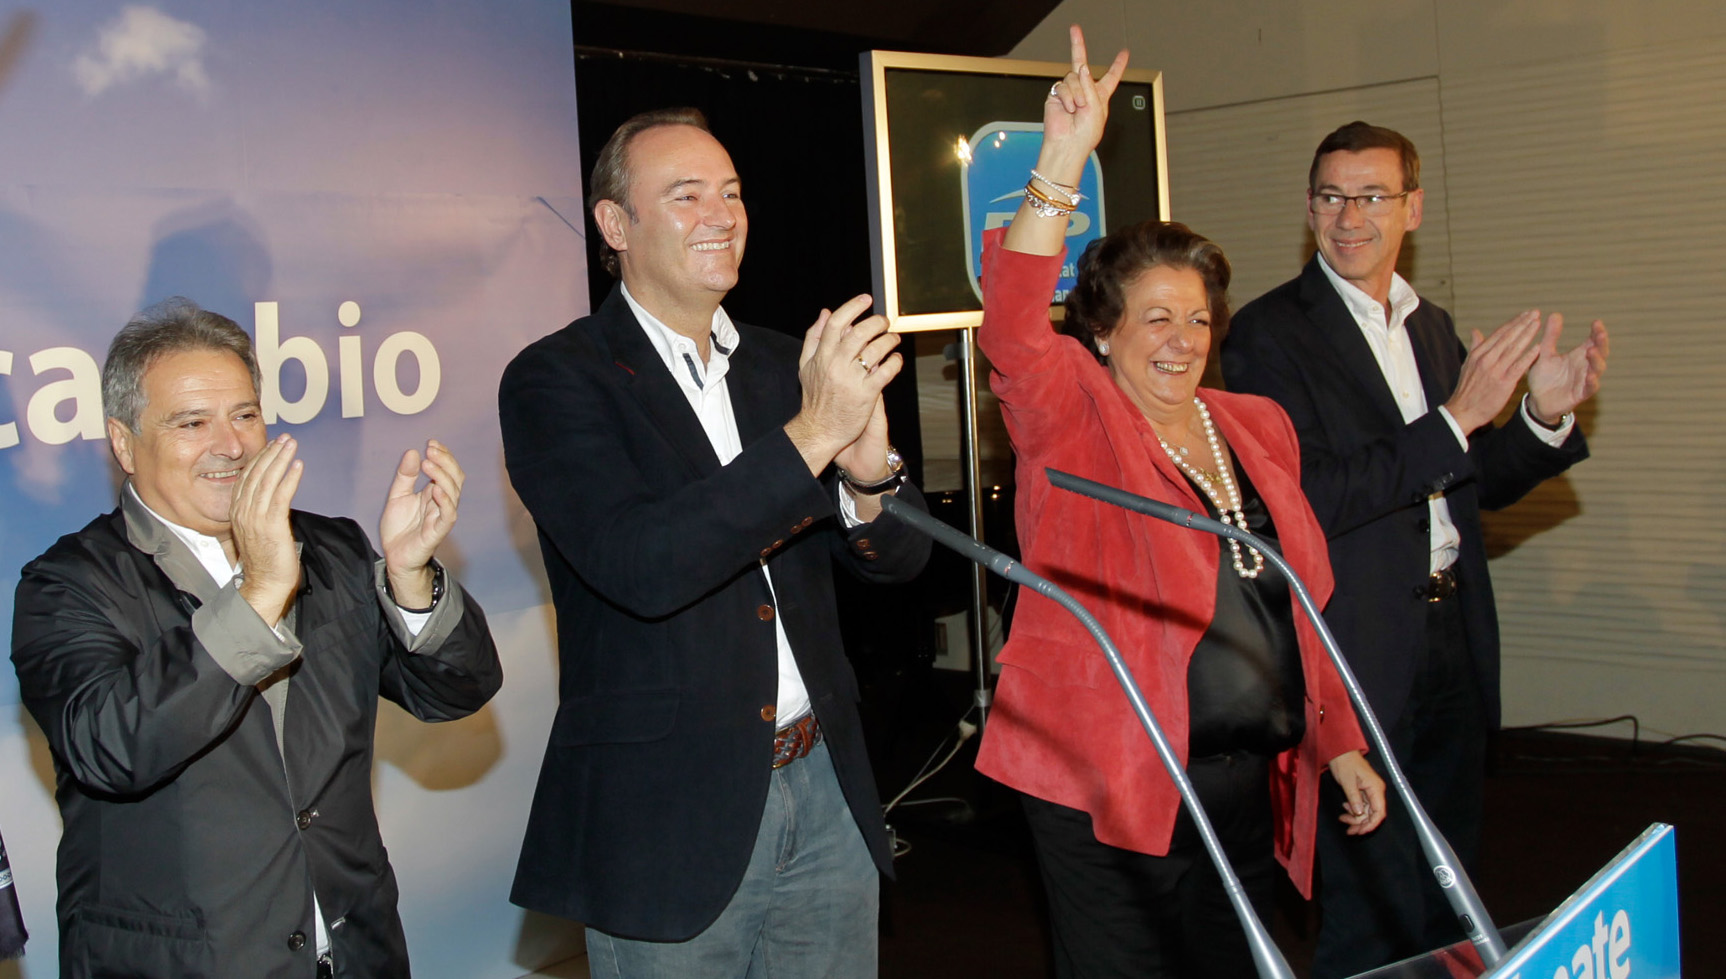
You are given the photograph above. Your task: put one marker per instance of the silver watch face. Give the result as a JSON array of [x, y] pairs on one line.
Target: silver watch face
[[895, 461]]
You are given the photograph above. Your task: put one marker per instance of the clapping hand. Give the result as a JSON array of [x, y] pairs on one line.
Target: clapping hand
[[414, 523], [1557, 382], [845, 363], [263, 535], [1494, 365]]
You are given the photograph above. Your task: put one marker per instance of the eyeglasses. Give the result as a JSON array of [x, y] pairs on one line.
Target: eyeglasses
[[1372, 205]]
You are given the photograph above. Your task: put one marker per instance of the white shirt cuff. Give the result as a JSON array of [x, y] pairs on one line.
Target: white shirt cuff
[[1552, 437], [414, 621], [1461, 436], [848, 508]]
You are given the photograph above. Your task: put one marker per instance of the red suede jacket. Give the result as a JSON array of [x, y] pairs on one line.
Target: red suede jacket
[[1062, 729]]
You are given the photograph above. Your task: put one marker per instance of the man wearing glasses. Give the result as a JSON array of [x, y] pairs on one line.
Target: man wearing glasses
[[1399, 454]]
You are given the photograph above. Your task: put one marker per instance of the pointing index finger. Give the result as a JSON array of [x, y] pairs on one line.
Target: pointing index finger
[[1077, 38]]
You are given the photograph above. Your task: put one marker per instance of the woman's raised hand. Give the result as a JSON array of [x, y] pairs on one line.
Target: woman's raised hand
[[1076, 112]]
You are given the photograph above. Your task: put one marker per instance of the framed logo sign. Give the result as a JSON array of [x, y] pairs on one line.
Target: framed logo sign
[[951, 142]]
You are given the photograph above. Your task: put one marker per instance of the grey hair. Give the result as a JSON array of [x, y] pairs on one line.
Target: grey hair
[[170, 326], [611, 173]]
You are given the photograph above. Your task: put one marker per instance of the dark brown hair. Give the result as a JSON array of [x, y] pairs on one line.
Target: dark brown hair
[[1358, 136], [1109, 265], [611, 175]]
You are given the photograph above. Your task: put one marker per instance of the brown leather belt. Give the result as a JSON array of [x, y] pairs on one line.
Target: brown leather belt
[[792, 743], [1440, 586]]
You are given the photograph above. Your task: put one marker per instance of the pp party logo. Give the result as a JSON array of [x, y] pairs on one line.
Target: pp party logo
[[994, 165]]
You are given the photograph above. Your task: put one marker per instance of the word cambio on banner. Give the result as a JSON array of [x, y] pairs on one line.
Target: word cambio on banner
[[60, 409]]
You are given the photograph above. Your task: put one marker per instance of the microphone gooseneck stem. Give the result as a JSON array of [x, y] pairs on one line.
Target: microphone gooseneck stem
[[1446, 868]]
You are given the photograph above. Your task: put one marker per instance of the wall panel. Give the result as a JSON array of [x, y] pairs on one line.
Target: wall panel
[[1592, 185]]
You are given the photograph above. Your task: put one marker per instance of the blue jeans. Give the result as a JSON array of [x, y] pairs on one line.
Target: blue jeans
[[806, 908]]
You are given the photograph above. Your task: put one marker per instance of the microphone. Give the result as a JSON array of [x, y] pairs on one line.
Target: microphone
[[1452, 879], [1267, 958]]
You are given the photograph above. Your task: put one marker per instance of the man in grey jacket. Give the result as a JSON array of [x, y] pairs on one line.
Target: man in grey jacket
[[206, 661]]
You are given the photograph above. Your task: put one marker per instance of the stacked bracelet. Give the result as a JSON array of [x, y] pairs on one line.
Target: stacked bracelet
[[1045, 205], [1070, 193]]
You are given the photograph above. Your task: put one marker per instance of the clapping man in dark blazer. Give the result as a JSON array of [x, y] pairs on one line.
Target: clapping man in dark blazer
[[206, 663], [705, 805], [1399, 455]]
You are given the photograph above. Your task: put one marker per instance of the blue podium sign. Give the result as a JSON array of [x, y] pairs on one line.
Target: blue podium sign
[[1623, 923], [996, 162]]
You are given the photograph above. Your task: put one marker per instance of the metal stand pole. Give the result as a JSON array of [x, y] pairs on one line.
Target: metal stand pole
[[972, 457]]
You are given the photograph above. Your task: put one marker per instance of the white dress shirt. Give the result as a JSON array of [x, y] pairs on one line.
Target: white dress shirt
[[704, 386], [1385, 330]]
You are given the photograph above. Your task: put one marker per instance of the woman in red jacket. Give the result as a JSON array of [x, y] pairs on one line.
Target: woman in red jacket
[[1237, 679]]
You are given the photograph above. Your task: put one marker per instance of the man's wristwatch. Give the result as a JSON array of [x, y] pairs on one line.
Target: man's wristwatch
[[893, 480], [1528, 406]]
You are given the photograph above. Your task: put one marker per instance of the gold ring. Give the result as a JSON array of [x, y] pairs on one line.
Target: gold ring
[[868, 368]]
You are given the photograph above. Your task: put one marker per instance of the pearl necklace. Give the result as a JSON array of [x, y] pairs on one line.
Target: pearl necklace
[[1228, 502]]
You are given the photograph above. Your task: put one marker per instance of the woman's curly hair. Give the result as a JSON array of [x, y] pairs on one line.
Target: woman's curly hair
[[1110, 264]]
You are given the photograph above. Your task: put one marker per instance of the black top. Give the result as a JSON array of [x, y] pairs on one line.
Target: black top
[[1245, 689]]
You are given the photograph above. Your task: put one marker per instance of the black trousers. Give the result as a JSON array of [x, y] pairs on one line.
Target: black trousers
[[1379, 898], [1115, 912]]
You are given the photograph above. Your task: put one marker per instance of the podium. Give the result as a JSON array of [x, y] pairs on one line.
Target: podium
[[1459, 961], [1622, 923]]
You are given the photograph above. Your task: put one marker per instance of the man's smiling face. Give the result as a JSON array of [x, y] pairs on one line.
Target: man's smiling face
[[1362, 249], [200, 426], [684, 238]]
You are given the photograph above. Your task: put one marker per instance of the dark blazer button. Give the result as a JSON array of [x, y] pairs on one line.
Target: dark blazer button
[[769, 712], [764, 613], [870, 555], [766, 552], [779, 543], [297, 941], [806, 521], [305, 817], [862, 543]]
